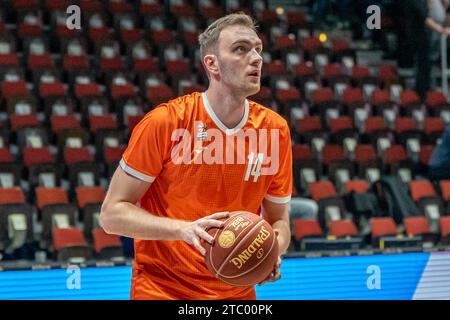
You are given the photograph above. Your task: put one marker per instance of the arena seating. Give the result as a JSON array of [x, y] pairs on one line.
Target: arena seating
[[69, 100]]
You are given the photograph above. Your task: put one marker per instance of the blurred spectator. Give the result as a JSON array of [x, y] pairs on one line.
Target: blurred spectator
[[439, 165], [319, 12], [303, 208], [436, 21], [417, 20]]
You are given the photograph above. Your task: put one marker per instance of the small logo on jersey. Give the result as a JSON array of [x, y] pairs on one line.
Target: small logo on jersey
[[202, 134], [226, 239]]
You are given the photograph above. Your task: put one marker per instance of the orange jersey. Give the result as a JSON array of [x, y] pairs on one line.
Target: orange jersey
[[197, 167]]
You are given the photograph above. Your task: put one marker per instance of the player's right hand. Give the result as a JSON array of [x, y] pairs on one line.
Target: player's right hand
[[192, 232]]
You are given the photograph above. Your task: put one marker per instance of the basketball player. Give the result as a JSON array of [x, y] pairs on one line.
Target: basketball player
[[175, 178]]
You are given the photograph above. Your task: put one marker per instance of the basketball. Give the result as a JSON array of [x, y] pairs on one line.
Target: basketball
[[244, 251]]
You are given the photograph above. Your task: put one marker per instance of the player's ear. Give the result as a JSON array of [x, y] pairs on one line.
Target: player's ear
[[211, 63]]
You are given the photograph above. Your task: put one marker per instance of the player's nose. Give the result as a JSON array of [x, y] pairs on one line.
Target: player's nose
[[256, 58]]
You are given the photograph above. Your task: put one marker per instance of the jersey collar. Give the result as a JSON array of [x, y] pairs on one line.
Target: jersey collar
[[219, 123]]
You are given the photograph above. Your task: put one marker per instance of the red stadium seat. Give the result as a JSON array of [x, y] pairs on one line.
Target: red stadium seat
[[358, 186], [9, 60], [52, 89], [445, 189], [6, 156], [343, 228], [264, 96], [181, 10], [150, 9], [72, 63], [409, 98], [304, 71], [416, 226], [11, 195], [288, 95], [59, 123], [322, 95], [91, 6], [113, 64], [301, 152], [19, 121], [331, 153], [309, 124], [353, 96], [306, 228], [24, 4], [133, 121], [374, 124], [333, 70], [54, 5], [395, 154], [70, 242], [87, 195], [11, 89], [382, 227], [87, 90], [425, 154], [404, 124], [435, 99], [274, 68], [103, 243], [148, 65], [120, 7], [421, 188], [388, 73], [35, 156], [46, 196], [339, 46], [285, 42], [359, 72], [312, 45], [296, 18], [156, 95], [40, 61], [102, 122], [445, 229], [321, 190], [122, 91], [433, 128], [338, 125], [381, 97], [75, 155], [113, 154]]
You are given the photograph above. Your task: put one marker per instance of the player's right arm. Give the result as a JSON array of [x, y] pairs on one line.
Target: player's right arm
[[148, 148], [120, 215]]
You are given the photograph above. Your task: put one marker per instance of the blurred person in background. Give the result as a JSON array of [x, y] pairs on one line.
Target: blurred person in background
[[439, 164], [436, 21], [417, 21]]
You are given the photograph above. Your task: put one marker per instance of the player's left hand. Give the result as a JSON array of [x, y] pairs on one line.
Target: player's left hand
[[274, 275]]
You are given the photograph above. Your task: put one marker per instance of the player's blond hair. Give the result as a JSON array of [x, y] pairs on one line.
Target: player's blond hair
[[208, 39]]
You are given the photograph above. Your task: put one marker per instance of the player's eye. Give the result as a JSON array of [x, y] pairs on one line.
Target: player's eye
[[241, 49]]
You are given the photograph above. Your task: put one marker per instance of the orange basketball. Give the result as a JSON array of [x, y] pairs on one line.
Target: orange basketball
[[244, 251]]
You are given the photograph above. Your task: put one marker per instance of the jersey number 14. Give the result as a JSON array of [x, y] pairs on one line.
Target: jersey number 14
[[254, 166]]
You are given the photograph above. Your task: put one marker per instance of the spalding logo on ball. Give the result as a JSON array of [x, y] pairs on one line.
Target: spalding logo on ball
[[226, 239], [245, 250]]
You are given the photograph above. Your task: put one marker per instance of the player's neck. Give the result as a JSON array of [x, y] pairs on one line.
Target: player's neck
[[227, 107]]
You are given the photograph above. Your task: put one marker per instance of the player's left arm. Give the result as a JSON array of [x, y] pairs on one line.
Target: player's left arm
[[276, 202], [277, 214]]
